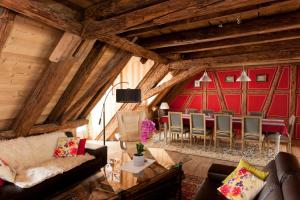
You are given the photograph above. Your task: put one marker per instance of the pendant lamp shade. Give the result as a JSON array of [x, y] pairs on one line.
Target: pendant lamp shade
[[164, 106], [205, 78], [243, 77]]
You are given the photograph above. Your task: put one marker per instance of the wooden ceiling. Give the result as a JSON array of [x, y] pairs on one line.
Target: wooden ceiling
[[182, 36]]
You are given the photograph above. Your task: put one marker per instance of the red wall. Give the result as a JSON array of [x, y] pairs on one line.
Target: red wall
[[190, 97]]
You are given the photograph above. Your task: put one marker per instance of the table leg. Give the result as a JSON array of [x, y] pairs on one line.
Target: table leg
[[277, 146], [165, 132]]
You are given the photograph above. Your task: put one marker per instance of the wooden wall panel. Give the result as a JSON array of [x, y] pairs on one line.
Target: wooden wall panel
[[22, 60]]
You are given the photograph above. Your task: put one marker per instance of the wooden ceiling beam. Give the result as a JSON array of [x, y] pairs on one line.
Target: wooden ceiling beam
[[244, 12], [131, 47], [93, 53], [256, 58], [175, 80], [122, 22], [118, 61], [106, 9], [45, 128], [50, 13], [278, 46], [50, 80], [6, 23], [253, 27], [236, 42]]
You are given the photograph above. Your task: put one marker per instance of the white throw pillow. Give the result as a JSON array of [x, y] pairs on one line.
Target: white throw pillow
[[6, 172]]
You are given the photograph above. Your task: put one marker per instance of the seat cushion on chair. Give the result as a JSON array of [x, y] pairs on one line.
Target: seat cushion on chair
[[201, 132], [249, 136]]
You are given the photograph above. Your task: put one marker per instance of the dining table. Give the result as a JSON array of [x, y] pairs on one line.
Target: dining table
[[269, 125]]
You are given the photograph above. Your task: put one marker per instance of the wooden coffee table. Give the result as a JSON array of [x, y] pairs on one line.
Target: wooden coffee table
[[113, 183]]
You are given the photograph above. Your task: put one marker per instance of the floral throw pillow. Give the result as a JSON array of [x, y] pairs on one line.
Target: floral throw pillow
[[244, 186], [7, 173], [66, 147]]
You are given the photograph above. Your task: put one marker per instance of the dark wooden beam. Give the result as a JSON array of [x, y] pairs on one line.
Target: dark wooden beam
[[236, 42], [175, 80], [229, 15], [7, 18], [118, 61], [257, 58], [51, 78], [90, 62], [272, 91], [257, 26], [282, 45], [131, 47], [293, 89], [50, 13], [45, 128], [105, 9], [122, 22]]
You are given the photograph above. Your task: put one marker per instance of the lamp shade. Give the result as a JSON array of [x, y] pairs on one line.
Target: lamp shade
[[243, 77], [128, 95], [164, 106], [205, 78]]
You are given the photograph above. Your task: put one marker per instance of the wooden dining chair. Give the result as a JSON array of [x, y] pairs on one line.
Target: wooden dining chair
[[207, 112], [223, 129], [252, 131], [198, 128], [285, 139], [176, 128], [228, 112]]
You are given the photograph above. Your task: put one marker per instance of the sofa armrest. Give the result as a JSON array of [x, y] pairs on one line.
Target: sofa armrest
[[98, 152], [218, 172]]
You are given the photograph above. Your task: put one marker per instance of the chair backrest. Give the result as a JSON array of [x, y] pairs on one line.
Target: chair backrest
[[223, 123], [175, 120], [207, 112], [252, 125], [291, 125], [197, 122], [228, 112], [257, 114], [191, 110], [129, 123]]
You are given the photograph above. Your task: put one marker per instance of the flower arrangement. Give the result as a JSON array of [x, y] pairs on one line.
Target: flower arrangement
[[147, 128]]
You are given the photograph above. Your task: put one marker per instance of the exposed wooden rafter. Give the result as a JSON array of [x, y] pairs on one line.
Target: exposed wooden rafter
[[91, 58], [51, 78], [256, 26], [50, 13], [256, 58], [45, 128], [117, 62], [129, 46], [6, 23]]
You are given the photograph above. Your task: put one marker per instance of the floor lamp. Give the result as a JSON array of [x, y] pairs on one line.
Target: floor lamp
[[122, 96]]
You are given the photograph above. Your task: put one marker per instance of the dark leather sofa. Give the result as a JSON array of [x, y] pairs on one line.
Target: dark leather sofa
[[57, 184], [283, 182]]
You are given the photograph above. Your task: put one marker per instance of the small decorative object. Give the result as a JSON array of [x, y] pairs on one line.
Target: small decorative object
[[138, 158], [229, 79], [197, 84], [66, 147], [261, 78]]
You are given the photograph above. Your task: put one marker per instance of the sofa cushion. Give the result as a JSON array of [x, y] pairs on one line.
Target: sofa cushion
[[22, 153], [66, 147], [36, 174], [286, 164]]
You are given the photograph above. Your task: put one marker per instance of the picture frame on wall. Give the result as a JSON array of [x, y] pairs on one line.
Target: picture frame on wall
[[197, 84], [261, 78], [229, 79]]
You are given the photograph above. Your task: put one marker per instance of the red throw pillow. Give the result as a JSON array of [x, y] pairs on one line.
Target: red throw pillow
[[81, 147], [1, 182]]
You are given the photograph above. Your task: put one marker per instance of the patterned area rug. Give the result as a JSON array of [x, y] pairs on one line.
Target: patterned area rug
[[190, 186], [223, 152]]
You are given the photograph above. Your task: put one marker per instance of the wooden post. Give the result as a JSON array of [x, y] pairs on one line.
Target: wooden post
[[7, 18], [293, 89], [219, 91]]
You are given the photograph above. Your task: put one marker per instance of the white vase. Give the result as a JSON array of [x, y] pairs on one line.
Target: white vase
[[138, 160]]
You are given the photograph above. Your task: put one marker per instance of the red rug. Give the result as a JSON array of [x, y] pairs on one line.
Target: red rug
[[190, 185]]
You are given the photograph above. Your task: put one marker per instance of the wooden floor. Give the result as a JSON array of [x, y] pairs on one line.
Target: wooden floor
[[198, 166]]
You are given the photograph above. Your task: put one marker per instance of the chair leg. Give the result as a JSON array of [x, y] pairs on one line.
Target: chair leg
[[230, 144], [260, 147], [204, 141], [215, 144], [243, 144], [182, 139]]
